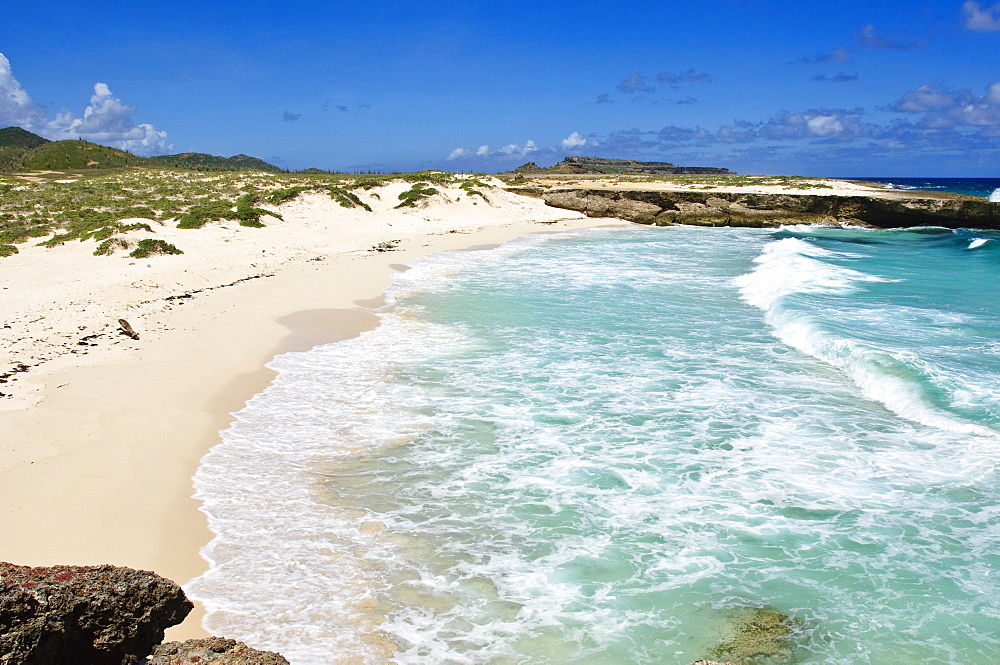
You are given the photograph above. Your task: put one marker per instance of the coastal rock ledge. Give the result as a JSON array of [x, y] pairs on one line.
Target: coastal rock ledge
[[103, 615], [84, 615], [666, 208], [213, 651]]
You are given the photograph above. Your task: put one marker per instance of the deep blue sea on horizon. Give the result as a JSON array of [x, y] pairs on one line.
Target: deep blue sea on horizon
[[608, 446], [988, 188]]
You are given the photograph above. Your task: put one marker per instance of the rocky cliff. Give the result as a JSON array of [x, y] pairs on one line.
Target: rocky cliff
[[84, 615], [103, 615], [664, 208]]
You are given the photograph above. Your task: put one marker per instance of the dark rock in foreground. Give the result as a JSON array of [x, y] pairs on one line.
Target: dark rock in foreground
[[213, 651], [84, 615], [665, 208]]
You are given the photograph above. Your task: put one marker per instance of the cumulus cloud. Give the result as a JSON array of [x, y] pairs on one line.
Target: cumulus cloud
[[106, 120], [16, 107], [690, 76], [508, 151], [514, 149], [636, 82], [981, 19], [947, 109], [604, 98], [925, 98], [574, 141]]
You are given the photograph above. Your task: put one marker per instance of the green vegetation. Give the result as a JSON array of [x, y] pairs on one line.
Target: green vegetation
[[470, 184], [415, 194], [20, 138], [200, 161], [347, 198], [64, 155], [103, 205], [7, 250], [20, 150], [153, 247], [109, 246]]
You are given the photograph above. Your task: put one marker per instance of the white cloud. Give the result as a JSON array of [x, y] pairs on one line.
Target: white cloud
[[106, 120], [483, 151], [16, 107], [981, 19], [573, 141], [924, 98], [824, 125], [944, 108]]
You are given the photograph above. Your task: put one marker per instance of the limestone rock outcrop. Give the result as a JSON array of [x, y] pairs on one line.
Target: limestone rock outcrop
[[213, 651], [665, 208], [84, 615]]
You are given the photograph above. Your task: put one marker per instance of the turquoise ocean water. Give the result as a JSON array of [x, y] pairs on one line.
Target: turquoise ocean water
[[597, 447]]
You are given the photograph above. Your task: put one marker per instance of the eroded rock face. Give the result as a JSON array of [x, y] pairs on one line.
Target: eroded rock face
[[84, 615], [213, 651], [664, 208]]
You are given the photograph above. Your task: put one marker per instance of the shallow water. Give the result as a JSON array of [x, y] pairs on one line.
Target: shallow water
[[596, 447]]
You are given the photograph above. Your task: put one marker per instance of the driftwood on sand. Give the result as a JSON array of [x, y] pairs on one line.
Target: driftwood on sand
[[128, 329]]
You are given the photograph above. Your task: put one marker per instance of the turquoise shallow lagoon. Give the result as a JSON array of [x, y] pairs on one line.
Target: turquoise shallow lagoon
[[599, 447]]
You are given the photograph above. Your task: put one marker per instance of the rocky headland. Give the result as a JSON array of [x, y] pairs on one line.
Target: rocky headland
[[883, 209], [601, 165]]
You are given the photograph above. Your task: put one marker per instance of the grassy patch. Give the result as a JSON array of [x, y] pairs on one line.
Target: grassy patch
[[7, 250]]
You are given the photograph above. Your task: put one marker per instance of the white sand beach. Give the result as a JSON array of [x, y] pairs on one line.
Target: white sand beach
[[103, 433]]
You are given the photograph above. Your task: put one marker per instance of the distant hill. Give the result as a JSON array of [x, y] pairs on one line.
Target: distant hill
[[17, 137], [585, 165], [77, 155], [22, 150], [200, 161]]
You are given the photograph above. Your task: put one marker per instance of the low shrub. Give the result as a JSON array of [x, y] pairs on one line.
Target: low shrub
[[347, 198], [111, 245], [153, 247], [414, 194], [7, 250]]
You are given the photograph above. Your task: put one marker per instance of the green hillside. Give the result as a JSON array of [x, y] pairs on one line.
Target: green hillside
[[78, 155], [200, 161], [16, 137], [20, 150]]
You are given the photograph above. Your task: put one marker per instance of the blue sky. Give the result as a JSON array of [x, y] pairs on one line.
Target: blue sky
[[848, 88]]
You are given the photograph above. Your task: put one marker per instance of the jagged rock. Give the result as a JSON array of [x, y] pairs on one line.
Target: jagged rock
[[664, 208], [84, 615], [213, 651]]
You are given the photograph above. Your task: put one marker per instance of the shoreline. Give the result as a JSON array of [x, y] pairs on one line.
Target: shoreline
[[101, 468]]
